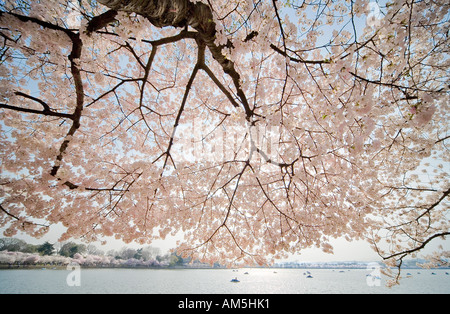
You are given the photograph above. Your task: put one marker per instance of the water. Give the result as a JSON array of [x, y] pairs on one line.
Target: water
[[215, 281]]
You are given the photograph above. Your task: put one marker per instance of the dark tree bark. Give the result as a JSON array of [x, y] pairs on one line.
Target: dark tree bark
[[162, 13]]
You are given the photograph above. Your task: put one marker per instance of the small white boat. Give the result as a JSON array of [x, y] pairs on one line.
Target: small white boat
[[234, 280]]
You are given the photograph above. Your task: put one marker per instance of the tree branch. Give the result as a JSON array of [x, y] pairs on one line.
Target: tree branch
[[74, 56], [298, 60], [101, 21], [20, 219], [418, 248], [46, 111], [200, 60]]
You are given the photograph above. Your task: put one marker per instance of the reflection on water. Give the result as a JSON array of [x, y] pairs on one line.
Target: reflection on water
[[218, 281]]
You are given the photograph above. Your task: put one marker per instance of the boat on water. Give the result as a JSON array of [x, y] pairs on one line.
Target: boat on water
[[309, 276], [235, 280], [374, 276]]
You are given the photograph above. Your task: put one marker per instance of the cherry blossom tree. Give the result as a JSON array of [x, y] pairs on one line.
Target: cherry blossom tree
[[253, 128]]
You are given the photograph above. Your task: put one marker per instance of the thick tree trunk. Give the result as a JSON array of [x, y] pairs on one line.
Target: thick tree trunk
[[161, 13]]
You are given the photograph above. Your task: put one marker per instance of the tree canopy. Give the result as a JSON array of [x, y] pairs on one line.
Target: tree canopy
[[46, 248], [253, 128]]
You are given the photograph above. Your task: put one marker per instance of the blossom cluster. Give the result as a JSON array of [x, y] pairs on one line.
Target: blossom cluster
[[20, 258]]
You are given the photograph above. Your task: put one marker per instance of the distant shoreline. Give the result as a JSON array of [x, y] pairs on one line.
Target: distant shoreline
[[64, 267]]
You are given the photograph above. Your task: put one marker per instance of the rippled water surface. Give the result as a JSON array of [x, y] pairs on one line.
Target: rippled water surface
[[216, 281]]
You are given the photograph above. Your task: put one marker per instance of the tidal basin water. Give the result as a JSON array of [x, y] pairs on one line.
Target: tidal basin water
[[217, 281]]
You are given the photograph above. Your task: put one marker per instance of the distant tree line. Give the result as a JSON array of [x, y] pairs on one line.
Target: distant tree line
[[144, 256], [17, 245]]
